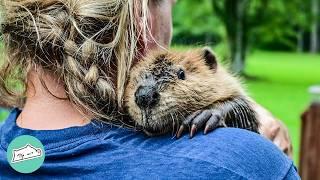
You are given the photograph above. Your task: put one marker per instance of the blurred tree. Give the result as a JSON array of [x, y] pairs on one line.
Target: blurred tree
[[238, 26], [268, 24], [301, 26], [239, 16], [314, 38], [193, 23], [285, 26]]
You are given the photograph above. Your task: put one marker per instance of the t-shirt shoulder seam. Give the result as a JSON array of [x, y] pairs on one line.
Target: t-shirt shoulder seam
[[287, 172], [78, 141]]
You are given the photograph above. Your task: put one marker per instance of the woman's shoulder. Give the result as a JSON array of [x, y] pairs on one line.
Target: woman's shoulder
[[223, 152], [221, 139], [242, 152]]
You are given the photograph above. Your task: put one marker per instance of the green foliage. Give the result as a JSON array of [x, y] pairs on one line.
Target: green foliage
[[271, 24], [194, 22], [278, 29]]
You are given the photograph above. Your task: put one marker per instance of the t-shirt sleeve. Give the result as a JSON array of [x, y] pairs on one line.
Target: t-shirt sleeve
[[292, 174]]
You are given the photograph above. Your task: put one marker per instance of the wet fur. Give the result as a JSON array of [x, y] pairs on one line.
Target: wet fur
[[205, 87]]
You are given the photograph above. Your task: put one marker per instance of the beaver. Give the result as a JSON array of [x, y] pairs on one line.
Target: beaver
[[170, 91]]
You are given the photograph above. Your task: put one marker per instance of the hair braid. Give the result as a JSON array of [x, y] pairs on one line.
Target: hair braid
[[89, 44]]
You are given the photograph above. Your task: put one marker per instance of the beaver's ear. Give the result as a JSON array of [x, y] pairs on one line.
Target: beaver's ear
[[209, 57]]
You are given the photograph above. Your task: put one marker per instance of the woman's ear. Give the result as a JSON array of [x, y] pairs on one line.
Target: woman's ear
[[209, 57]]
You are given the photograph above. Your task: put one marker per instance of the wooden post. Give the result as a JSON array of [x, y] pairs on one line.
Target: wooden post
[[309, 167]]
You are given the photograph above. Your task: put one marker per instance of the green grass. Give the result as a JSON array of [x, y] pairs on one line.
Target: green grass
[[3, 115], [282, 86]]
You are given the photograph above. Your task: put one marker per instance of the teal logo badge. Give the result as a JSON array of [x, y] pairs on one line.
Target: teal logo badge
[[25, 154]]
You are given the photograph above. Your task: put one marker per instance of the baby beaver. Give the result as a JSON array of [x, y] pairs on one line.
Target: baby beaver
[[170, 91]]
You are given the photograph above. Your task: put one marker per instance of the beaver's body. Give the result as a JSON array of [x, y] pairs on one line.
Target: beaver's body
[[171, 90]]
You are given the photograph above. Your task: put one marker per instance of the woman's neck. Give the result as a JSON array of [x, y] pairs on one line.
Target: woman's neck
[[43, 111]]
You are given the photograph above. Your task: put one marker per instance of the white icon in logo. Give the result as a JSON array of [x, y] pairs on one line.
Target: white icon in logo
[[25, 153]]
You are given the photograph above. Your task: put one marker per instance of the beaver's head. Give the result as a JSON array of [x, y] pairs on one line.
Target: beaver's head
[[167, 86]]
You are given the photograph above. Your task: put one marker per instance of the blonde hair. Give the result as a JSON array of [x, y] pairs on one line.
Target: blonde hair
[[80, 41]]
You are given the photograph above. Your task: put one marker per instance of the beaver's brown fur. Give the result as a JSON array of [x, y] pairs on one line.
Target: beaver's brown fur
[[203, 84]]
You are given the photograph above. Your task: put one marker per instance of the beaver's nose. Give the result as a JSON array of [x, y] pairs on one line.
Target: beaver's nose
[[147, 96]]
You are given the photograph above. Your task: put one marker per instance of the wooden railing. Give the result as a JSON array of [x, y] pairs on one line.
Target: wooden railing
[[309, 167]]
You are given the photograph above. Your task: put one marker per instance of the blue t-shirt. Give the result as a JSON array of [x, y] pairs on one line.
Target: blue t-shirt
[[102, 151]]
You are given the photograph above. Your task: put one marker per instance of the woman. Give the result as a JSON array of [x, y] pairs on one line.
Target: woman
[[73, 58]]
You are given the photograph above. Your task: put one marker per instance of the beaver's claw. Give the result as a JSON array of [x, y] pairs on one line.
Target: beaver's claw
[[211, 118]]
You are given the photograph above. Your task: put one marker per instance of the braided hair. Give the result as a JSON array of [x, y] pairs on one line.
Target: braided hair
[[82, 42]]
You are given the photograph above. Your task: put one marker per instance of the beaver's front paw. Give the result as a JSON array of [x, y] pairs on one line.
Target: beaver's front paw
[[209, 119]]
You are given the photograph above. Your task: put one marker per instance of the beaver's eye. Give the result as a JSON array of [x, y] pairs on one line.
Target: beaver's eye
[[181, 74]]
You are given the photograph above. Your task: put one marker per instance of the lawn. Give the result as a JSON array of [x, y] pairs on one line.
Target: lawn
[[3, 115], [281, 85]]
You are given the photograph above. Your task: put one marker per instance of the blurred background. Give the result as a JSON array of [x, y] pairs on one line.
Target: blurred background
[[272, 44]]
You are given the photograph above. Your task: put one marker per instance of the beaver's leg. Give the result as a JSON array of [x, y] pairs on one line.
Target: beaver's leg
[[234, 112]]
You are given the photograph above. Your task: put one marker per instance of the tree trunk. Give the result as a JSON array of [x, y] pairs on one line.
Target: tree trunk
[[300, 41], [314, 26], [232, 14], [208, 39], [238, 61]]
